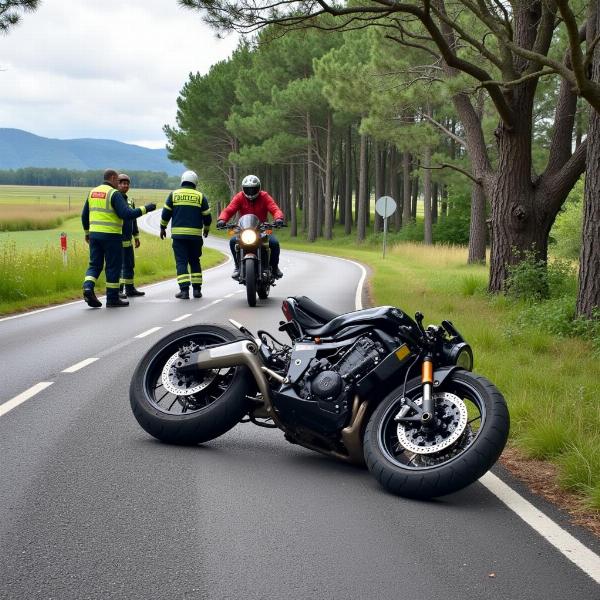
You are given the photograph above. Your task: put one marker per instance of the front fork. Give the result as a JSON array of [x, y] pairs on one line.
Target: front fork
[[428, 406]]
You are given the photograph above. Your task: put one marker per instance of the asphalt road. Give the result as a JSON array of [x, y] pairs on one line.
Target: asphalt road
[[91, 507]]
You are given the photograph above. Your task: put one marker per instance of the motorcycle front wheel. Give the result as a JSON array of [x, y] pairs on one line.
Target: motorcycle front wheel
[[250, 277], [194, 408], [471, 432]]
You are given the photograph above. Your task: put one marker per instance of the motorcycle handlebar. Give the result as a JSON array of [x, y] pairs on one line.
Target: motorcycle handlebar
[[265, 225]]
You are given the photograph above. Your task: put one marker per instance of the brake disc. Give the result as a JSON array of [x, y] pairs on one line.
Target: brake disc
[[186, 385], [451, 421]]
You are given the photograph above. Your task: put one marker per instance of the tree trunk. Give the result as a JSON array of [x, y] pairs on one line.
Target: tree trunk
[[478, 226], [312, 200], [348, 185], [341, 184], [588, 295], [406, 191], [305, 198], [361, 220], [393, 187], [414, 196], [293, 215], [444, 209], [379, 179], [328, 187], [428, 232]]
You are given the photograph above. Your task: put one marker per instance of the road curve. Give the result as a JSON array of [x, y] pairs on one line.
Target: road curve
[[91, 507]]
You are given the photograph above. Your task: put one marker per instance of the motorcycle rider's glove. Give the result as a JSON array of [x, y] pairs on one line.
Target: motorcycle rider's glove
[[150, 207], [205, 232], [220, 224], [278, 223], [163, 233]]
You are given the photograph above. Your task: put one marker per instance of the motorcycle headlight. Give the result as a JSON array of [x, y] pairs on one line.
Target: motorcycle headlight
[[462, 356], [248, 236]]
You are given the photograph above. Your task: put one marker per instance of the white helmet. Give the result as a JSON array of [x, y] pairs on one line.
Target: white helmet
[[251, 186], [189, 177]]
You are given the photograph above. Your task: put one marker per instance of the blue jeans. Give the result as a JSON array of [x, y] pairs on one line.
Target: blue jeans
[[274, 247]]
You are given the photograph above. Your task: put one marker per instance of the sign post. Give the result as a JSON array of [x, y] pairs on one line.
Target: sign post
[[63, 247], [385, 207]]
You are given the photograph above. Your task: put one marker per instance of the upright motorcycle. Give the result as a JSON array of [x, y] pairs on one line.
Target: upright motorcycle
[[372, 386], [253, 255]]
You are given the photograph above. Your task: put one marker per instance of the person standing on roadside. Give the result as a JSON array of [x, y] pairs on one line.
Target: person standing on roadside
[[130, 230], [102, 218], [191, 216]]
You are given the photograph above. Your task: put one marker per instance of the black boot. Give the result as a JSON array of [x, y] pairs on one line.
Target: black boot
[[236, 272], [122, 293], [197, 291], [116, 302], [276, 272], [90, 297], [133, 291], [184, 294]]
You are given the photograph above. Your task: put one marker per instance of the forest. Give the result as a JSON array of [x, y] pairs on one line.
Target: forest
[[483, 112]]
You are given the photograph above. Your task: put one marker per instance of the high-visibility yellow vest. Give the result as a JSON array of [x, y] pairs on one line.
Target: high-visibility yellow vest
[[103, 218], [187, 197]]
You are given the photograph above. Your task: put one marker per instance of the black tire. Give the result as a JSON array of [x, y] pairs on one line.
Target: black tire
[[250, 276], [220, 407], [263, 291], [458, 466]]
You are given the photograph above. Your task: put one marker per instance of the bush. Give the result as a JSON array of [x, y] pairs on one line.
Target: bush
[[533, 279], [454, 228]]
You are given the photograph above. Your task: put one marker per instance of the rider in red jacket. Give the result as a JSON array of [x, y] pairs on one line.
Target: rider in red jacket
[[251, 200]]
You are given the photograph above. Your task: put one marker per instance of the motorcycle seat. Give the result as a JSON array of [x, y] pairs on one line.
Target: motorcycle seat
[[366, 316], [311, 314]]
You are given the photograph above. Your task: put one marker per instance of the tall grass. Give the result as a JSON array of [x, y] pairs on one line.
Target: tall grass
[[37, 276], [14, 217]]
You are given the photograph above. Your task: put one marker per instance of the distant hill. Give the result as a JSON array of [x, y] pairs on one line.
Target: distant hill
[[19, 149]]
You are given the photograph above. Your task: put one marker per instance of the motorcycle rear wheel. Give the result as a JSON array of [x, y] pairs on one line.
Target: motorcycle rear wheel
[[189, 418], [414, 475]]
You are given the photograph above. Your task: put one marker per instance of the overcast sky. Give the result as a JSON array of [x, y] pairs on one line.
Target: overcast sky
[[107, 69]]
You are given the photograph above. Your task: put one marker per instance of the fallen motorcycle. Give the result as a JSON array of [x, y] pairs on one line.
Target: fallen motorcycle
[[372, 386]]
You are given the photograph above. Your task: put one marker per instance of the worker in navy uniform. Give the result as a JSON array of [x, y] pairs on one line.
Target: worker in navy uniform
[[102, 218], [189, 213], [130, 236]]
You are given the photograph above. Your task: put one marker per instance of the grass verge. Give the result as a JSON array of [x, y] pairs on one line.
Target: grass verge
[[32, 277]]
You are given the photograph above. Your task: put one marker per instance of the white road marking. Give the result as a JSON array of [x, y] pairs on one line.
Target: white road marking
[[32, 391], [80, 365], [563, 541], [230, 295], [149, 332], [217, 301], [181, 318]]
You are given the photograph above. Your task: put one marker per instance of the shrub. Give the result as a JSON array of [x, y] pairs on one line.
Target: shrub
[[566, 232]]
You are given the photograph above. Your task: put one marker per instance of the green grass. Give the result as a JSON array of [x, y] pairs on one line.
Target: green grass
[[32, 277]]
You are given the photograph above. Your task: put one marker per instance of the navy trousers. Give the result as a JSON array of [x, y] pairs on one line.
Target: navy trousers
[[187, 261], [128, 265], [105, 249]]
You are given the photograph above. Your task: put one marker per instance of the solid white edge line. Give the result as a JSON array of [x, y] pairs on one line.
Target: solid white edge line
[[563, 541], [568, 545], [181, 318], [148, 332], [23, 396], [79, 365]]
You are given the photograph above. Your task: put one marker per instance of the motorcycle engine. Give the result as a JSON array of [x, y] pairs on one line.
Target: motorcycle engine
[[330, 383]]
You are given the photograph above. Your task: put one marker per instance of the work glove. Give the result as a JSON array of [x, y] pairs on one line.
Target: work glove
[[87, 238], [278, 223], [163, 233], [205, 232], [137, 242], [150, 207], [220, 224]]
